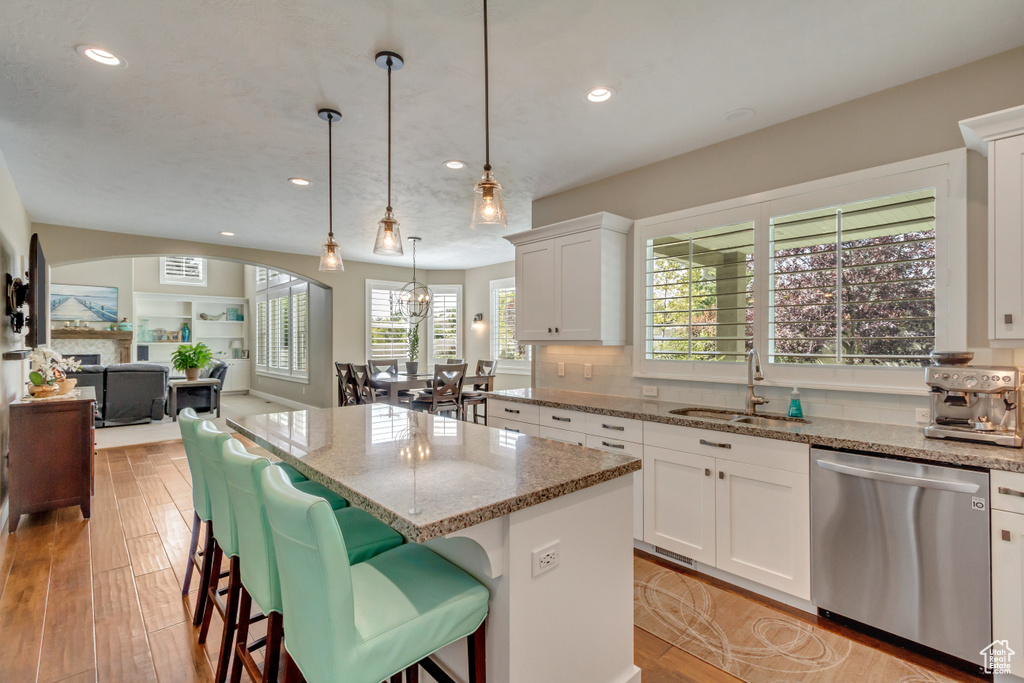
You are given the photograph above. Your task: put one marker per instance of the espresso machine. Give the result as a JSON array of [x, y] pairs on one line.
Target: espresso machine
[[976, 403]]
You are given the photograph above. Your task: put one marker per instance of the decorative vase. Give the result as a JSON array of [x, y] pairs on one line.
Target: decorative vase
[[43, 390], [412, 367], [186, 333], [192, 374], [66, 385]]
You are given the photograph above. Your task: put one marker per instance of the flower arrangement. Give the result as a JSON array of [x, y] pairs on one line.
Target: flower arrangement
[[48, 366]]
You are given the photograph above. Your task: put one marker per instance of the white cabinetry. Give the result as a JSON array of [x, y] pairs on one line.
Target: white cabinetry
[[736, 502], [1000, 136], [570, 281], [1008, 564], [237, 377]]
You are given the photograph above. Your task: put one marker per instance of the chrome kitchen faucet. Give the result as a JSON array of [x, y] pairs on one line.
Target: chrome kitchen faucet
[[754, 375]]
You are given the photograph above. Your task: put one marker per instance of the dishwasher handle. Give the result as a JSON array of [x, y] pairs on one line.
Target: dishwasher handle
[[958, 486]]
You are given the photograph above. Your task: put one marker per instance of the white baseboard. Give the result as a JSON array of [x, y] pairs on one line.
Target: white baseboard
[[282, 401], [631, 677]]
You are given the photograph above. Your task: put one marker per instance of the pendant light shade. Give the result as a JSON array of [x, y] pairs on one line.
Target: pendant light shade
[[389, 239], [330, 259], [488, 209]]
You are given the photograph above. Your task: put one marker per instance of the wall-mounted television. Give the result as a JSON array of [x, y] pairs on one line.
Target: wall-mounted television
[[38, 298]]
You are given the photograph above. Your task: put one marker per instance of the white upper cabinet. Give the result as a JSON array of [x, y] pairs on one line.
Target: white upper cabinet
[[570, 281], [1000, 136]]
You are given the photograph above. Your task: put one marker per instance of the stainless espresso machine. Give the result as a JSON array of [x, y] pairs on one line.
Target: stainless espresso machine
[[976, 403]]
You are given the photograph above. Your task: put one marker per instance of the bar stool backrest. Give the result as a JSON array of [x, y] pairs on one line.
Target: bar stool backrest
[[211, 442], [389, 365], [188, 421], [255, 543], [316, 580]]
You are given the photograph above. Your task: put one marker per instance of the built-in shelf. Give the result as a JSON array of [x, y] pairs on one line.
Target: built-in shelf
[[19, 354]]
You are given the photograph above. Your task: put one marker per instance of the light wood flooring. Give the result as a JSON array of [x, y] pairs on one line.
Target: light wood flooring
[[100, 599]]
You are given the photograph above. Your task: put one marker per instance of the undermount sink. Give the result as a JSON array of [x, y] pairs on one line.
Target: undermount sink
[[740, 418]]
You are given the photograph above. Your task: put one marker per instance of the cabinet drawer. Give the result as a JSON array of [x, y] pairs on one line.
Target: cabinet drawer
[[564, 435], [620, 428], [780, 455], [1007, 491], [513, 426], [563, 419], [603, 443], [520, 412]]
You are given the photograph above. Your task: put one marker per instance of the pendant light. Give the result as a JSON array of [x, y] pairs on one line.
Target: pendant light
[[415, 298], [389, 238], [330, 259], [487, 206]]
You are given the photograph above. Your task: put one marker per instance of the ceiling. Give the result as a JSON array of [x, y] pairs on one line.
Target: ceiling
[[217, 106]]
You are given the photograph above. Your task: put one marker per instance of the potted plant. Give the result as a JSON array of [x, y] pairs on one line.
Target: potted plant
[[412, 366], [48, 375], [191, 358]]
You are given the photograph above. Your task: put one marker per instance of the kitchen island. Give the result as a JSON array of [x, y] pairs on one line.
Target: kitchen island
[[493, 503]]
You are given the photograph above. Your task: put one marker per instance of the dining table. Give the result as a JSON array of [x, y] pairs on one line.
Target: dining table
[[394, 383]]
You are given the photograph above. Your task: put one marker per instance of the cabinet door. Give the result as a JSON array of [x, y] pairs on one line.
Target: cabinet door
[[578, 287], [513, 426], [535, 291], [1008, 582], [679, 503], [603, 443], [1007, 242], [763, 524]]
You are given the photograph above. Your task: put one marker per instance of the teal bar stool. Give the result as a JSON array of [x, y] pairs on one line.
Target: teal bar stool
[[260, 582], [201, 513], [366, 622]]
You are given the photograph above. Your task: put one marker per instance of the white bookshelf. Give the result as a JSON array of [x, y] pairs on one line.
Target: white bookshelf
[[168, 312]]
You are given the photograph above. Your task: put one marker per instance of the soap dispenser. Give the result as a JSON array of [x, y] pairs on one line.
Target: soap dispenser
[[795, 409]]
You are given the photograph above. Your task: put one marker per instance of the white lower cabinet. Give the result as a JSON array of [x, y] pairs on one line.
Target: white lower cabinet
[[237, 376], [563, 435], [513, 426], [604, 443], [679, 502], [1007, 498]]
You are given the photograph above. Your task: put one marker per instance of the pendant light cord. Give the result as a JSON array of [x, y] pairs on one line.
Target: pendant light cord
[[330, 177], [487, 100], [389, 133]]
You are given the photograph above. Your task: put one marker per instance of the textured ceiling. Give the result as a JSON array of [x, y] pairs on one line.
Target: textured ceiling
[[217, 107]]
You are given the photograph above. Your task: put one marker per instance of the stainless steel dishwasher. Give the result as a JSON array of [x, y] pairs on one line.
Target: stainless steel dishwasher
[[904, 548]]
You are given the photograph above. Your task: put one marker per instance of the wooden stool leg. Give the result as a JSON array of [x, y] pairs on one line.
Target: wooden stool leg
[[230, 622], [205, 575], [275, 635], [477, 647], [242, 640], [412, 674], [211, 593], [397, 678], [191, 561], [291, 670]]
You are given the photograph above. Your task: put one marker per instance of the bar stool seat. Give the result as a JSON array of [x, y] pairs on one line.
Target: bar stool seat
[[365, 535], [311, 487]]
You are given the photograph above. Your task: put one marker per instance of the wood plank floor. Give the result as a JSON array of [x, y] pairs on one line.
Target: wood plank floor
[[100, 599]]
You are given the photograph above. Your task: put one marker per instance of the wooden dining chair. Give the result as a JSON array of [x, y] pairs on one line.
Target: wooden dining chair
[[445, 391], [475, 397], [388, 365], [344, 397], [359, 387]]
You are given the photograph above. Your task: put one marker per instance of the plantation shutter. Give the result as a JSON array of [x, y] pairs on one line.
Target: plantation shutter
[[504, 345], [261, 333], [261, 277], [389, 331], [278, 332], [300, 330], [445, 324], [187, 270]]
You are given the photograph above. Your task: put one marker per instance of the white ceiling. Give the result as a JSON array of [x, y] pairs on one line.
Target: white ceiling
[[217, 107]]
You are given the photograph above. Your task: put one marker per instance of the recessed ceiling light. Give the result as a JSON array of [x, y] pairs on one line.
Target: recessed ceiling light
[[98, 54], [227, 234], [455, 164], [737, 115], [599, 94], [298, 181]]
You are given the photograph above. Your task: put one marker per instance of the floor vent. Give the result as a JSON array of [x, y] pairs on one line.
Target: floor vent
[[682, 559]]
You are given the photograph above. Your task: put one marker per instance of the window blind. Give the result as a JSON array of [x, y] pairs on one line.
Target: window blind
[[189, 270], [389, 331], [700, 294], [261, 277], [261, 333], [300, 330], [504, 345], [854, 284], [277, 332], [445, 324]]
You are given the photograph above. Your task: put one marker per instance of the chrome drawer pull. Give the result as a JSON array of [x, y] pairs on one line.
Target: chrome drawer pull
[[617, 428], [561, 419], [612, 445], [1010, 492], [509, 410], [1006, 535], [705, 442], [509, 429]]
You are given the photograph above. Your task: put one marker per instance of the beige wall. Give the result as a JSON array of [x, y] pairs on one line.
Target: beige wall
[[116, 272], [15, 229], [223, 278]]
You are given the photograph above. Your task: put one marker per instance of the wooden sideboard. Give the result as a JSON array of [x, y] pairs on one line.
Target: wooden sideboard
[[51, 455]]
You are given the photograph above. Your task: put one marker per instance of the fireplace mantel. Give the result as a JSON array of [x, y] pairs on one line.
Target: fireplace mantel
[[123, 338]]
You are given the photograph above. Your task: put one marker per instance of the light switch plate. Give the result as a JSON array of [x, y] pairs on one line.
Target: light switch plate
[[588, 371], [651, 391], [561, 369]]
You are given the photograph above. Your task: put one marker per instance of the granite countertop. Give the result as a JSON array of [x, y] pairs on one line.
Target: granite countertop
[[423, 475], [892, 440]]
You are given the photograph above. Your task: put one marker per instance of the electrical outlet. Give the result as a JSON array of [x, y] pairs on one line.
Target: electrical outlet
[[651, 391], [561, 369], [588, 371], [547, 558], [923, 415]]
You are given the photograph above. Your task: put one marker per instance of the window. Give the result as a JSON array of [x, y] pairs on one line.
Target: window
[[182, 270], [282, 325], [510, 354], [388, 330], [844, 282], [445, 316]]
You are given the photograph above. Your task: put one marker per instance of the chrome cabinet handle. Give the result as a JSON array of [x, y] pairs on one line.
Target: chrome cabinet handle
[[920, 482], [509, 410], [1006, 535], [705, 442], [1010, 492], [561, 419], [509, 429], [612, 445], [707, 471], [617, 428]]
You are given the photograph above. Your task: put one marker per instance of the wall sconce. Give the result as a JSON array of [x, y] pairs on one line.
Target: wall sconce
[[478, 322]]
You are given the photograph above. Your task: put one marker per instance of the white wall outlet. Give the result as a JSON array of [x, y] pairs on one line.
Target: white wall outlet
[[561, 369], [650, 391], [547, 558], [923, 415], [588, 371]]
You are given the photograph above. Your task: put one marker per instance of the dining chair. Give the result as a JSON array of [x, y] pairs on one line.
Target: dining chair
[[366, 622], [445, 391], [359, 385], [475, 397], [341, 369], [365, 536], [389, 365]]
